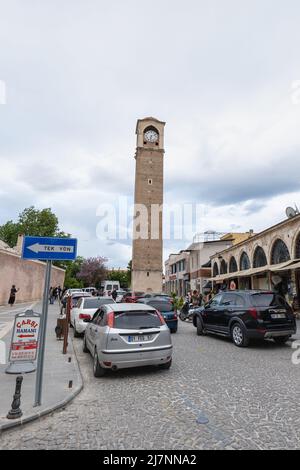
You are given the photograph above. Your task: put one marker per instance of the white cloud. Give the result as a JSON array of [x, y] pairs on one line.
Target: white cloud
[[78, 74]]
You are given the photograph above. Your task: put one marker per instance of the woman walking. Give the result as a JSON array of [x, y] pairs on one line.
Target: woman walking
[[12, 297]]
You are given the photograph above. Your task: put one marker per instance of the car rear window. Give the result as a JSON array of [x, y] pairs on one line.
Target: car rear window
[[138, 320], [162, 306], [268, 300], [95, 303]]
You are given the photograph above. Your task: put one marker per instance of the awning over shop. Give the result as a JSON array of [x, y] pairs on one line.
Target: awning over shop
[[286, 266], [246, 273], [295, 266], [290, 265]]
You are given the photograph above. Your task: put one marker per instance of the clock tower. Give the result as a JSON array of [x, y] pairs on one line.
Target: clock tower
[[148, 200]]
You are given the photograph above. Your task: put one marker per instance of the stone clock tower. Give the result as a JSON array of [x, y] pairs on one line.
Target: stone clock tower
[[147, 227]]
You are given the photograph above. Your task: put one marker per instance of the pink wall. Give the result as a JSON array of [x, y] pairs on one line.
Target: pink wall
[[28, 276]]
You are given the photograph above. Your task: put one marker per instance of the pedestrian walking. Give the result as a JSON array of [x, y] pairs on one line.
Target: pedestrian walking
[[55, 293], [12, 297], [51, 295], [59, 291], [114, 294], [195, 298]]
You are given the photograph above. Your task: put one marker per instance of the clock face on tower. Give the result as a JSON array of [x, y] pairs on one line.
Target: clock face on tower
[[151, 136]]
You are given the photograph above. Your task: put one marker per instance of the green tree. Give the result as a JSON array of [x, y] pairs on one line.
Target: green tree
[[129, 271], [72, 269], [119, 275], [93, 271], [9, 233], [35, 222]]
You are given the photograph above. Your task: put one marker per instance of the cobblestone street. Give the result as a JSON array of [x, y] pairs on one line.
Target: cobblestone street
[[247, 398]]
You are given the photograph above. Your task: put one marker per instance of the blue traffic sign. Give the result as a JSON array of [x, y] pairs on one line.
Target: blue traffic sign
[[49, 248]]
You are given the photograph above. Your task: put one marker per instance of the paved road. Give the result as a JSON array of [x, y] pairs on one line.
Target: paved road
[[250, 398]]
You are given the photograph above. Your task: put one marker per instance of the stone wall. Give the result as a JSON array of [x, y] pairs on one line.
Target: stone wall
[[28, 276]]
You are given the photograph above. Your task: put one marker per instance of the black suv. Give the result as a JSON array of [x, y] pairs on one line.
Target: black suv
[[243, 315]]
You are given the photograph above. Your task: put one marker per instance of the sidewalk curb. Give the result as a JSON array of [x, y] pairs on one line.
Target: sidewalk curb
[[49, 410]]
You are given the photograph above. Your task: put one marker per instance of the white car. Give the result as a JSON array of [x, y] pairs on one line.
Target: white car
[[90, 289], [84, 310], [120, 295]]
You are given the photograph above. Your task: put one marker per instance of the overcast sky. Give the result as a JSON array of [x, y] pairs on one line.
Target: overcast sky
[[79, 73]]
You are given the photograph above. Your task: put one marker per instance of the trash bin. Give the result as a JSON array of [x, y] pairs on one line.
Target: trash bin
[[61, 327]]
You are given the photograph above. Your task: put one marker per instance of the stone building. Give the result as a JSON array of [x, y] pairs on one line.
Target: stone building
[[267, 260], [147, 227], [177, 273], [191, 268]]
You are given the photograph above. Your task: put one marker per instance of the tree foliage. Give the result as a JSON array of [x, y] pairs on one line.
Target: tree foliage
[[119, 275], [129, 270], [93, 271], [34, 222], [72, 269]]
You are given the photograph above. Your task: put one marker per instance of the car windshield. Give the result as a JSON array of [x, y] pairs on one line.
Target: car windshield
[[267, 300], [137, 320], [96, 303], [162, 306]]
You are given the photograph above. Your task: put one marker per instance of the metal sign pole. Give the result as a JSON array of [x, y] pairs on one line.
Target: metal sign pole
[[40, 362]]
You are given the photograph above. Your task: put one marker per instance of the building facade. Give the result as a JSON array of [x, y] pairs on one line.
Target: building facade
[[191, 269], [147, 226], [177, 273], [267, 260]]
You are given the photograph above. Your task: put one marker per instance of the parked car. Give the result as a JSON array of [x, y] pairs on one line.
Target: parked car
[[85, 310], [127, 335], [68, 293], [90, 289], [156, 296], [132, 297], [78, 295], [72, 291], [243, 315], [166, 308], [120, 295]]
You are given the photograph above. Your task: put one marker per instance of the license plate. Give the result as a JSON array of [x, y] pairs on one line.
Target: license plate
[[277, 316], [139, 338]]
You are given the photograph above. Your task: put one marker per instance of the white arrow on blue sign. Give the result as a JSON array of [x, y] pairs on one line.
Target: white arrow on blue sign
[[49, 248]]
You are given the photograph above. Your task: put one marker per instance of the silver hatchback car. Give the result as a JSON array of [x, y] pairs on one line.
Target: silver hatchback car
[[126, 335]]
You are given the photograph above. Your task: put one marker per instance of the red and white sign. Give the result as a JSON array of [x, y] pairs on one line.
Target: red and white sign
[[25, 338]]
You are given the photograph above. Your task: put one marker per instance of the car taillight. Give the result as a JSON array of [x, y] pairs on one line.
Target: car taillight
[[84, 316], [111, 319], [253, 312], [162, 320]]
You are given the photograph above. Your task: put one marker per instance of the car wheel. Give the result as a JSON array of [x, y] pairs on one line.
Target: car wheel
[[84, 346], [239, 336], [166, 366], [98, 370], [76, 334], [281, 339], [199, 325]]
